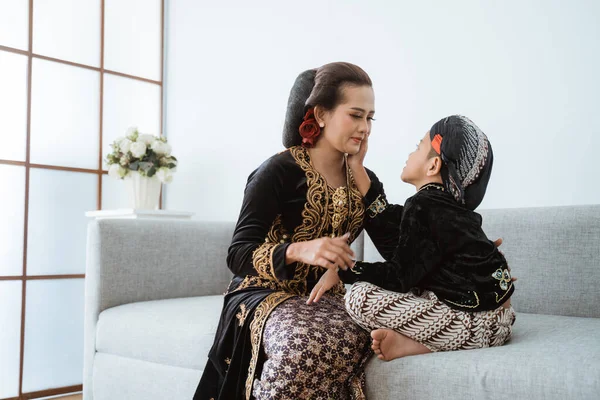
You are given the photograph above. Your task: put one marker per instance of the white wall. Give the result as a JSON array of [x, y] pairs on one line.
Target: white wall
[[525, 71]]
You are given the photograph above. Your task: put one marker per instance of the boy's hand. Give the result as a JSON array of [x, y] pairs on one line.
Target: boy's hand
[[329, 279]]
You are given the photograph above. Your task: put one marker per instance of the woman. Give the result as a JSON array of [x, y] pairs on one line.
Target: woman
[[301, 208]]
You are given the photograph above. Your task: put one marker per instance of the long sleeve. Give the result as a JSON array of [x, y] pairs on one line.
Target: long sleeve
[[250, 252], [382, 220], [416, 255]]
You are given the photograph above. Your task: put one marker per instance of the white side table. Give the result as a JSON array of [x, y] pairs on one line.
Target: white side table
[[131, 213]]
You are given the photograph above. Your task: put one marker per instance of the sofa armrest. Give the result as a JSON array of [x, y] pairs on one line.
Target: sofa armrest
[[141, 260]]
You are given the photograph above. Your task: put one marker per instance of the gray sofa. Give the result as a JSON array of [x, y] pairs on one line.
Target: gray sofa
[[154, 294]]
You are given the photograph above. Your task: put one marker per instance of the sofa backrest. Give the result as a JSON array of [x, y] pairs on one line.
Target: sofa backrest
[[553, 251], [142, 260]]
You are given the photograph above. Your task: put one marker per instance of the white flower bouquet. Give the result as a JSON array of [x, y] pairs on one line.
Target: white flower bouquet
[[147, 154]]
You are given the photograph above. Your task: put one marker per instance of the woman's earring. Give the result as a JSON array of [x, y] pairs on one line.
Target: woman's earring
[[322, 125]]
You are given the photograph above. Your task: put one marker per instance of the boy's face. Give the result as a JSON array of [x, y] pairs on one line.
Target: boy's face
[[418, 163]]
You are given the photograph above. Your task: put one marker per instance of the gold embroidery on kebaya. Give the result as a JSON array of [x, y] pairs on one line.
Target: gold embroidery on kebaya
[[356, 390], [277, 231], [314, 216], [340, 208], [319, 214], [257, 281], [262, 257], [256, 330], [317, 202], [327, 212], [242, 314]]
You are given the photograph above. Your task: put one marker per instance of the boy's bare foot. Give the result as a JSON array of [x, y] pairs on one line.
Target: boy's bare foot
[[389, 345]]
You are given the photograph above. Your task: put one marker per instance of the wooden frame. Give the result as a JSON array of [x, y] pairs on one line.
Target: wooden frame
[[99, 172]]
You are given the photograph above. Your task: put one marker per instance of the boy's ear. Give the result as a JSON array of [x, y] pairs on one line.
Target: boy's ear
[[435, 166]]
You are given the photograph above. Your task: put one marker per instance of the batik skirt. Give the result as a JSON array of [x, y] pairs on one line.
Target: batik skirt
[[312, 352], [427, 320]]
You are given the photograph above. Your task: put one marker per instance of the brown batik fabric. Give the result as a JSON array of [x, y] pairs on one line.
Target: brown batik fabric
[[312, 352], [427, 320]]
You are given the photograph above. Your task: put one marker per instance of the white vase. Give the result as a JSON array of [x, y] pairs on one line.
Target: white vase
[[144, 192]]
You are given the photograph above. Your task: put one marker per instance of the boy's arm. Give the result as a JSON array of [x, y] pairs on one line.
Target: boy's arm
[[417, 254], [382, 220]]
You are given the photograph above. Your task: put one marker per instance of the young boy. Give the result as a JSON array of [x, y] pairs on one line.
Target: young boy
[[447, 287]]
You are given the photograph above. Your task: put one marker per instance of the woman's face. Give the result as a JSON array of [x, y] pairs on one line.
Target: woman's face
[[347, 125]]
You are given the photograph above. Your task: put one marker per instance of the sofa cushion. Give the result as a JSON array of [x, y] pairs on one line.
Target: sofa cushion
[[548, 357], [175, 332]]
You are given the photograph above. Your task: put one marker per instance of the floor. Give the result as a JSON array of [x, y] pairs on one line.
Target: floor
[[71, 397]]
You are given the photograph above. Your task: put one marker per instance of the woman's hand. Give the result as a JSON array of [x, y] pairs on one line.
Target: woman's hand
[[329, 253], [329, 279]]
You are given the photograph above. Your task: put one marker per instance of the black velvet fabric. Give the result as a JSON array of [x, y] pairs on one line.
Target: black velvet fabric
[[384, 229], [442, 248], [224, 381], [278, 187]]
